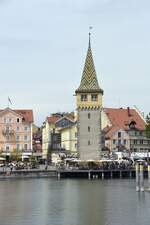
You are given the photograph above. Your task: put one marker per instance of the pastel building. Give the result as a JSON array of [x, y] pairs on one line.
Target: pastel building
[[67, 127], [16, 130], [48, 131], [59, 134], [124, 129]]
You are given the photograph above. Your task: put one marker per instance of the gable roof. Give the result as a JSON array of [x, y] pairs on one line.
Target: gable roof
[[67, 117], [53, 119], [121, 118], [27, 114]]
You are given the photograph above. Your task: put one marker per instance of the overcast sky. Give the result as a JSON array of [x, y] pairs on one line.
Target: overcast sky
[[43, 44]]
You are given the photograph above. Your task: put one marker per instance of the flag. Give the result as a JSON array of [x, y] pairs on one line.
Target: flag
[[9, 101]]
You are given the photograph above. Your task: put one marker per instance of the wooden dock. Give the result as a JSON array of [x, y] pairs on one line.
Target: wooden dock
[[99, 174]]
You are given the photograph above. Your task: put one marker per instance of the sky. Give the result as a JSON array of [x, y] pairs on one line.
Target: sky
[[43, 45]]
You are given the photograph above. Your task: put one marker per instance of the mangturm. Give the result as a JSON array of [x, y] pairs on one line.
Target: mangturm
[[89, 104]]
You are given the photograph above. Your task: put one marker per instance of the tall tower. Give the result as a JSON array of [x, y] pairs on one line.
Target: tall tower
[[89, 104]]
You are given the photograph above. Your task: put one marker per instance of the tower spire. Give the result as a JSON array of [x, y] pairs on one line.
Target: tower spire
[[89, 97], [89, 40], [89, 82]]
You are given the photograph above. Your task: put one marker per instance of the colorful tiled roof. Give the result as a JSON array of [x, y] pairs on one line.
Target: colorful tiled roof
[[89, 82], [121, 118]]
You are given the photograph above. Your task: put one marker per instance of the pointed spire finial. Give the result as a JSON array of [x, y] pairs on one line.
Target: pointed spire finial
[[89, 82], [90, 28]]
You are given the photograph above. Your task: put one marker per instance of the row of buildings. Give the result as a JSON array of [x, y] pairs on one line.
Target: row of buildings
[[87, 132], [122, 130]]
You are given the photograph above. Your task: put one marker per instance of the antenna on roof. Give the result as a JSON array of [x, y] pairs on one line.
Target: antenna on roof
[[90, 28]]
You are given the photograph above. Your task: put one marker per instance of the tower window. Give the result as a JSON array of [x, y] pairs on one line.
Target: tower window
[[18, 120], [89, 142], [94, 97], [83, 98], [89, 115], [89, 129]]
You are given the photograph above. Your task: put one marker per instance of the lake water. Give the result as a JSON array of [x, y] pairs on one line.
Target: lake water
[[72, 202]]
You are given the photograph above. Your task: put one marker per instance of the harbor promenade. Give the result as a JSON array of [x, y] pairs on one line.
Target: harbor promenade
[[58, 173]]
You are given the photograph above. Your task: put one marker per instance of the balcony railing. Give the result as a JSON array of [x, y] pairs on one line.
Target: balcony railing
[[7, 132]]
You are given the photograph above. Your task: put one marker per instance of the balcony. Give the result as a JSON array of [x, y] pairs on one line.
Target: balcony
[[7, 132]]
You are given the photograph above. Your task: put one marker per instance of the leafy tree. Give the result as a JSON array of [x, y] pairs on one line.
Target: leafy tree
[[33, 159], [16, 156], [147, 130]]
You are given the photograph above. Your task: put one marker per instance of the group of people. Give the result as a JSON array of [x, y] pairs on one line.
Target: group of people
[[11, 166], [98, 165]]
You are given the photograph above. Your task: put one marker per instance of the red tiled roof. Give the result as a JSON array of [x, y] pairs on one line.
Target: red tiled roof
[[27, 114], [53, 119], [121, 118], [70, 116]]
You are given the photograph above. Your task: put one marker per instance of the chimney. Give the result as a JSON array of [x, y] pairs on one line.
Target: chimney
[[128, 111]]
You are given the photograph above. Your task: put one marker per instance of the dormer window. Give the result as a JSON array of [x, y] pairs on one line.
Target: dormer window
[[83, 98], [94, 97], [132, 124]]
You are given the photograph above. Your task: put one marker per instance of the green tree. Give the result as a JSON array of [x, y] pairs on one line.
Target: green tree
[[16, 156], [33, 159], [147, 130]]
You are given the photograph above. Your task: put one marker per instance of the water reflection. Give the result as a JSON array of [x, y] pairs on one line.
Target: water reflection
[[72, 202]]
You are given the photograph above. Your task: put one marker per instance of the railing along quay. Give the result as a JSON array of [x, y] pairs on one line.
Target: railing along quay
[[98, 174], [31, 173]]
